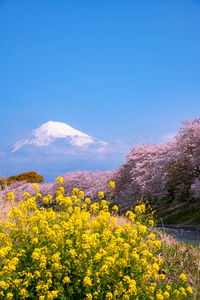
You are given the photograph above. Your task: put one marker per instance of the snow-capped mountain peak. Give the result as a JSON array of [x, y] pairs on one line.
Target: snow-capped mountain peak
[[51, 131], [56, 130]]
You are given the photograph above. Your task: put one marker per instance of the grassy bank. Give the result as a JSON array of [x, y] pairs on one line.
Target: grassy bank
[[180, 257], [178, 213]]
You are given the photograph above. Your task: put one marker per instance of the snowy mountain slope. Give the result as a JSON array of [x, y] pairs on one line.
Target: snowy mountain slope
[[51, 132]]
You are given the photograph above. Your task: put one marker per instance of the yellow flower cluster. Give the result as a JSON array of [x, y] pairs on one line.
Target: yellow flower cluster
[[59, 180], [78, 252], [100, 195], [115, 207], [139, 209], [183, 277], [10, 197], [36, 187], [111, 184]]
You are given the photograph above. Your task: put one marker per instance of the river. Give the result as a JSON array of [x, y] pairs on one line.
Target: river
[[189, 234]]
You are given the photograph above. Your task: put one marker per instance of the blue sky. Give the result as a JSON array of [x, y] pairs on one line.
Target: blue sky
[[123, 70]]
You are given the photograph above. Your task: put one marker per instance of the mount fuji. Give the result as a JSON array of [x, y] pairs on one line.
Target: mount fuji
[[55, 148], [56, 134]]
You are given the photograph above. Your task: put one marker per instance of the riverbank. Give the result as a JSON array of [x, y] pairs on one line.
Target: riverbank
[[177, 213], [180, 257]]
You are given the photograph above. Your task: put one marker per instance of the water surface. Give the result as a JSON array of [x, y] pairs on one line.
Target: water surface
[[184, 233]]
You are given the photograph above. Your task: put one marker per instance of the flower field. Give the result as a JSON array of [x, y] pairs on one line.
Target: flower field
[[77, 250]]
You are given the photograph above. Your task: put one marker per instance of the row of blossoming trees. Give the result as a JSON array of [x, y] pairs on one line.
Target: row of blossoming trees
[[151, 171], [162, 170]]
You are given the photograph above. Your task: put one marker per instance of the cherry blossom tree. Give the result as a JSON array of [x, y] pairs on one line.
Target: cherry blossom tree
[[184, 170], [144, 174], [89, 182]]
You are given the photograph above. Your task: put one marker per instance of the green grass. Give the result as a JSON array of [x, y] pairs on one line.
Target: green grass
[[179, 217], [178, 213]]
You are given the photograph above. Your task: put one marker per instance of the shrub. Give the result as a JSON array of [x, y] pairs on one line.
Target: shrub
[[31, 177]]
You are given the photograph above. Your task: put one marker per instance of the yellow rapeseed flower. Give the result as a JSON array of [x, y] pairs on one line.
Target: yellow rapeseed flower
[[166, 295], [151, 223], [109, 296], [66, 279], [87, 200], [159, 296], [189, 289], [115, 207], [75, 191], [10, 197], [87, 281], [36, 187], [139, 209], [26, 195], [111, 184], [100, 195], [183, 277], [59, 180], [81, 194], [9, 296]]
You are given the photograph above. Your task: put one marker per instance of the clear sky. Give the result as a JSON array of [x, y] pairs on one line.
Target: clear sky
[[118, 70]]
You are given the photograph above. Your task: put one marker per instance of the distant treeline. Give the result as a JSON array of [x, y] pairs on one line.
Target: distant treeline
[[31, 177]]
